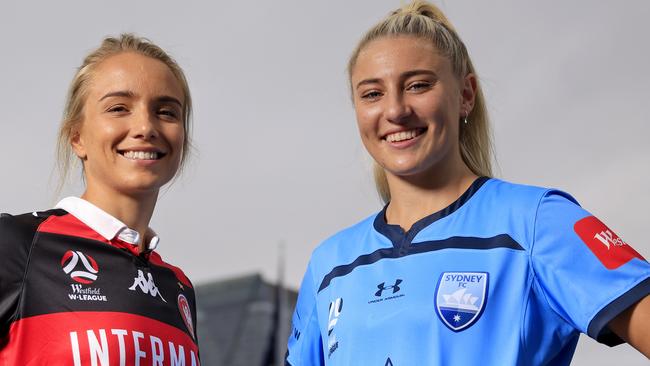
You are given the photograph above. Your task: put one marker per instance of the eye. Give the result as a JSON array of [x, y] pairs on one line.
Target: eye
[[371, 95], [419, 86], [119, 108], [168, 113]]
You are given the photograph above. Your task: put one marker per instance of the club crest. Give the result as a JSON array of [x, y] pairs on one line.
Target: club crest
[[186, 313], [461, 298]]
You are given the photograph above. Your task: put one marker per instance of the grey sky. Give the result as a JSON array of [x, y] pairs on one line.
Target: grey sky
[[278, 157]]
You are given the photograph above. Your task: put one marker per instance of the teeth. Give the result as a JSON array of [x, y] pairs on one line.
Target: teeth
[[401, 136], [141, 155]]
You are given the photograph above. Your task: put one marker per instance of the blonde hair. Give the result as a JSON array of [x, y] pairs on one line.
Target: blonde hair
[[78, 90], [423, 20]]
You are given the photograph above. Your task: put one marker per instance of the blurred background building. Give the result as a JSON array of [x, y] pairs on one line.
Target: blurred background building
[[244, 321]]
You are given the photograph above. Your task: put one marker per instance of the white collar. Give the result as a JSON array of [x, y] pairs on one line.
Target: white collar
[[103, 223]]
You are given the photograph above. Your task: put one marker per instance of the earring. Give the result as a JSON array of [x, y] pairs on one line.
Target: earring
[[465, 120]]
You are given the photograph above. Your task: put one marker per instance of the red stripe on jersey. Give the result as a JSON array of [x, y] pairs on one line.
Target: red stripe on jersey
[[155, 258], [608, 247], [96, 338], [71, 226]]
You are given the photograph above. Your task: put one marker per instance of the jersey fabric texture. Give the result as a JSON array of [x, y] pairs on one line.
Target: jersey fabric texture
[[75, 290], [506, 275]]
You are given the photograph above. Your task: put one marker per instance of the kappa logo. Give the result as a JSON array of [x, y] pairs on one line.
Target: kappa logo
[[608, 247], [460, 298], [146, 284], [186, 313], [81, 268], [335, 309]]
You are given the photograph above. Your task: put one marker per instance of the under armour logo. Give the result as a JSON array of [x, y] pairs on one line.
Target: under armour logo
[[382, 286], [146, 285]]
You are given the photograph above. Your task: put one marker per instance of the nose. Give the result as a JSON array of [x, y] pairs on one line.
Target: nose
[[145, 126], [397, 108]]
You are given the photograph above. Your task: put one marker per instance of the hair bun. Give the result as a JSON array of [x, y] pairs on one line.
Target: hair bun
[[424, 8]]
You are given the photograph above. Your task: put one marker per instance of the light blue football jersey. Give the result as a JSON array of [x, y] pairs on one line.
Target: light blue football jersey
[[506, 275]]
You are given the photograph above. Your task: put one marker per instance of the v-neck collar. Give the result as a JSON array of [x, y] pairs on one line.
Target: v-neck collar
[[399, 238]]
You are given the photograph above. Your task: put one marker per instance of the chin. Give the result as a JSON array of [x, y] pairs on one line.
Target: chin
[[403, 168], [144, 185]]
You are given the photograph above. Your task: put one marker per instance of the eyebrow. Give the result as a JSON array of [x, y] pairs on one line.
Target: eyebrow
[[130, 94], [404, 75], [120, 93], [169, 99]]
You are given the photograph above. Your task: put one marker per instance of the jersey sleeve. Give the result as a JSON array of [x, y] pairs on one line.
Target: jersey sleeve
[[16, 235], [588, 274], [305, 344]]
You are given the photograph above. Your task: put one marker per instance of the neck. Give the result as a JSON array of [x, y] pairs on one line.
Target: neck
[[415, 197], [133, 210]]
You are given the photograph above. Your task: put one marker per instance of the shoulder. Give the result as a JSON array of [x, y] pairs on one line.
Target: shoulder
[[516, 192], [17, 234], [157, 260], [522, 198], [343, 248], [20, 229], [346, 240]]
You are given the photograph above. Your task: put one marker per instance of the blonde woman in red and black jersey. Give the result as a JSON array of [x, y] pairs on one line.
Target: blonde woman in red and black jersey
[[81, 284]]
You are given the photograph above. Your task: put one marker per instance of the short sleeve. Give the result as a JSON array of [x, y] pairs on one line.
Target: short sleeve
[[16, 235], [305, 343], [587, 272]]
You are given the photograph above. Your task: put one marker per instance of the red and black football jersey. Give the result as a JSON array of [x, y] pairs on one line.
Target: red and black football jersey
[[69, 296]]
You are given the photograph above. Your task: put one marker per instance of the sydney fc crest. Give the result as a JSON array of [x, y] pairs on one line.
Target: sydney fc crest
[[461, 298]]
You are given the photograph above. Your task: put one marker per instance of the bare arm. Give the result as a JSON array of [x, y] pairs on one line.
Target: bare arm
[[633, 325]]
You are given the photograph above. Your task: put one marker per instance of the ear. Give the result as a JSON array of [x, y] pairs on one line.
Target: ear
[[78, 145], [467, 94]]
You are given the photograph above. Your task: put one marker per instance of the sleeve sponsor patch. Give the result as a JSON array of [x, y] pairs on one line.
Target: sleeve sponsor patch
[[608, 247]]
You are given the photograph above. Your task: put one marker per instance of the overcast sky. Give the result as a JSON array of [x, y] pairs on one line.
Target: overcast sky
[[277, 156]]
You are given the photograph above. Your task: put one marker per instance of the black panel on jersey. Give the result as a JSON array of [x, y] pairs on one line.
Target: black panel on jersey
[[458, 242], [16, 239], [46, 280]]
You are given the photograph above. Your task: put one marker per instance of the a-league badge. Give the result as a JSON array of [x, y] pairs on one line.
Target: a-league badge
[[461, 298]]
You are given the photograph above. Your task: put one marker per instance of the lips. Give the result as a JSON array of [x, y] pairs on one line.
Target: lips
[[142, 155], [400, 136]]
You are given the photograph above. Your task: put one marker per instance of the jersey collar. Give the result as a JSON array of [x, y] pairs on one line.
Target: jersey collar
[[396, 234], [103, 223]]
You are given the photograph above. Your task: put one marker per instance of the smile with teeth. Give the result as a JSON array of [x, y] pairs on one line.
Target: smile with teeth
[[142, 155], [404, 135]]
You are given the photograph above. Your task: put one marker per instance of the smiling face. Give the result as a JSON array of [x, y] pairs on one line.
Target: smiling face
[[131, 137], [408, 105]]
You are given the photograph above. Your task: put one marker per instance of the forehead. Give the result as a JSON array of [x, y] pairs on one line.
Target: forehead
[[388, 56], [129, 71]]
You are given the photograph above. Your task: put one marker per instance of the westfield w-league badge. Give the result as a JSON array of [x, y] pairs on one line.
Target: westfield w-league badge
[[84, 270]]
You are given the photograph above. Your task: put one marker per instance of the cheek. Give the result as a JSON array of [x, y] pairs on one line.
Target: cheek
[[99, 135], [367, 121], [175, 134]]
